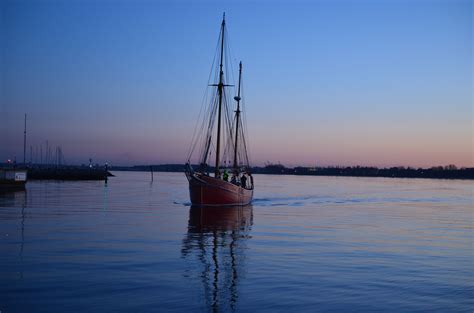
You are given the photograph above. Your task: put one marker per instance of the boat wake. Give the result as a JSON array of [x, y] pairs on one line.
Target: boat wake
[[185, 203], [328, 200], [305, 200]]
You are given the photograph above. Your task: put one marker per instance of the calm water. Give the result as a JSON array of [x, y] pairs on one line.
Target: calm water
[[307, 244]]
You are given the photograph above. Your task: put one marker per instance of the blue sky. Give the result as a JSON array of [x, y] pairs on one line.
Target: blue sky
[[326, 82]]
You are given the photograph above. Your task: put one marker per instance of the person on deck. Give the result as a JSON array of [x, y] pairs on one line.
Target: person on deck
[[226, 175], [243, 181]]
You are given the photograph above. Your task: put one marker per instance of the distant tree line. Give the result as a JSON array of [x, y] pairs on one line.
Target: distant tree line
[[62, 172], [443, 172]]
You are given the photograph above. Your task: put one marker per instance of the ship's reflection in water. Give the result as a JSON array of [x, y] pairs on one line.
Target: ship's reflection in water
[[216, 242]]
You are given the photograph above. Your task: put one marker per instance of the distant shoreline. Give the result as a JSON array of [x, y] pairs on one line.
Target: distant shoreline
[[97, 172], [439, 172]]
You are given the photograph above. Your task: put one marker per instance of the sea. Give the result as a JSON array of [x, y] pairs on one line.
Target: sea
[[305, 244]]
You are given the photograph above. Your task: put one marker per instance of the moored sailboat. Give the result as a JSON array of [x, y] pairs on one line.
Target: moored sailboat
[[232, 183]]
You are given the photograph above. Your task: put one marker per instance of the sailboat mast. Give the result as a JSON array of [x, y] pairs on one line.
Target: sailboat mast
[[220, 89], [24, 143], [237, 119]]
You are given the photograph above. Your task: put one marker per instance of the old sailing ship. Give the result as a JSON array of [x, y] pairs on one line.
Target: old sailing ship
[[232, 181]]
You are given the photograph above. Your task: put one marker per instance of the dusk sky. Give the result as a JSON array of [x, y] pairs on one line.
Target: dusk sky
[[384, 83]]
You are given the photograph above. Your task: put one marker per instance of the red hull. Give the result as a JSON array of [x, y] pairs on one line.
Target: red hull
[[206, 190]]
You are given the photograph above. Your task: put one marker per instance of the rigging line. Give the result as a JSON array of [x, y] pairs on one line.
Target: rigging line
[[229, 57], [228, 107], [229, 129], [245, 125], [236, 151], [246, 157], [244, 142], [201, 139], [228, 147], [208, 137], [225, 122], [244, 104], [190, 151], [230, 122], [230, 66], [206, 90], [195, 137], [212, 148], [211, 113], [205, 138], [210, 129]]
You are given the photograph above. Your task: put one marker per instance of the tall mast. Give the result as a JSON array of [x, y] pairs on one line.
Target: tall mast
[[220, 88], [237, 121], [24, 143]]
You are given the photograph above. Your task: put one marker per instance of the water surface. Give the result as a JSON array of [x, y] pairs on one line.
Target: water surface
[[306, 244]]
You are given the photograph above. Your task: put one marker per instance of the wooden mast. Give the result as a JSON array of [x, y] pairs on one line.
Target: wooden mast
[[220, 89], [24, 143], [237, 121]]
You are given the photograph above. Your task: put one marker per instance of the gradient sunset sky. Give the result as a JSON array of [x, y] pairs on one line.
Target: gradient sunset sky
[[384, 83]]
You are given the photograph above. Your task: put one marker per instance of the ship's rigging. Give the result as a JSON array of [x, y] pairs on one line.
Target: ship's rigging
[[219, 137]]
